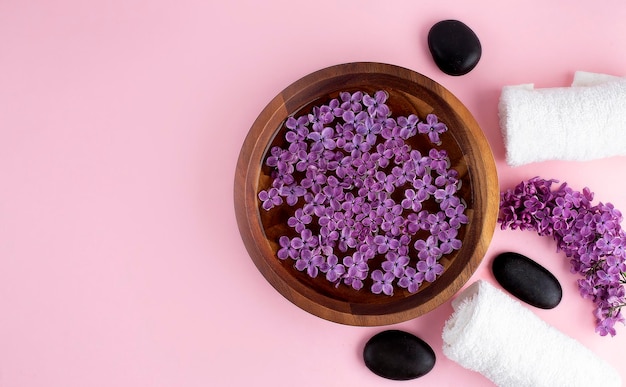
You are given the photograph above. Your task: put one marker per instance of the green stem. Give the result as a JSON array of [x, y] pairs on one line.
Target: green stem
[[616, 308]]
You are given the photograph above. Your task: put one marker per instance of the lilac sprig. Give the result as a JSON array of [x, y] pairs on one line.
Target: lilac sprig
[[590, 236], [362, 195]]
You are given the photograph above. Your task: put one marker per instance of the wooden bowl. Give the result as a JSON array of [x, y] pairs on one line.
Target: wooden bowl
[[409, 92]]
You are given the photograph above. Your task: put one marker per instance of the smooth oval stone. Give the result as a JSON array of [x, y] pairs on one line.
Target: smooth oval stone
[[527, 280], [398, 355], [454, 47]]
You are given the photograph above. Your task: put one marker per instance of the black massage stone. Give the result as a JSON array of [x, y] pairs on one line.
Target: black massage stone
[[454, 47], [527, 280], [398, 355]]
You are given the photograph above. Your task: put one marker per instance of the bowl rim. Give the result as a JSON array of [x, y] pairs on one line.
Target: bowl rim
[[251, 157]]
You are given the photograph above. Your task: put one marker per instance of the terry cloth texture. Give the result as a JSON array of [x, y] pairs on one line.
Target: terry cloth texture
[[495, 335], [586, 121]]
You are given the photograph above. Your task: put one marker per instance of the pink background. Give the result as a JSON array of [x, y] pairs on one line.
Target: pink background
[[120, 126]]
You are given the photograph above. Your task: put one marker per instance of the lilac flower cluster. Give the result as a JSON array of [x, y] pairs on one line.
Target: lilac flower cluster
[[590, 235], [363, 195]]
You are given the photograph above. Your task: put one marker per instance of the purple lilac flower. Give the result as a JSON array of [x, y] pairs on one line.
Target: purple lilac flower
[[317, 118], [342, 219], [604, 222], [285, 247], [334, 106], [299, 220], [356, 270], [587, 288], [351, 101], [364, 164], [369, 129], [428, 248], [385, 153], [388, 122], [309, 240], [424, 187], [316, 142], [411, 280], [438, 222], [328, 224], [411, 201], [430, 267], [310, 262], [352, 120], [449, 241], [447, 197], [439, 160], [376, 105], [280, 158], [313, 181], [333, 269], [607, 243], [393, 222], [270, 198], [385, 243], [401, 176], [290, 248], [421, 163], [315, 205], [352, 204], [390, 132], [395, 263], [383, 282], [306, 159], [408, 126], [448, 177], [402, 153], [334, 196], [281, 179], [292, 193], [359, 145], [344, 167], [343, 135], [346, 239], [327, 114], [297, 128], [433, 128], [323, 139], [415, 222], [386, 181], [606, 326], [456, 216]]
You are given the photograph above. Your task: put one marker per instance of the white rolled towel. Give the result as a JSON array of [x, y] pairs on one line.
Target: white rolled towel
[[495, 335], [585, 78], [586, 121]]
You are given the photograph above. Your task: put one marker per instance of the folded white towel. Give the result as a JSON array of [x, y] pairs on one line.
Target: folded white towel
[[585, 78], [494, 334], [584, 122]]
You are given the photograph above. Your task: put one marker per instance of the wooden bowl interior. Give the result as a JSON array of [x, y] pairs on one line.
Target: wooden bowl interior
[[409, 93]]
